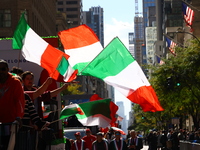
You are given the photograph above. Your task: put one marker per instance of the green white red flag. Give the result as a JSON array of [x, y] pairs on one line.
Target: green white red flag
[[92, 113], [118, 68], [36, 50], [81, 44]]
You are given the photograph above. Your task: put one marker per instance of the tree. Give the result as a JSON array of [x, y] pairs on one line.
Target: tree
[[73, 89], [182, 95]]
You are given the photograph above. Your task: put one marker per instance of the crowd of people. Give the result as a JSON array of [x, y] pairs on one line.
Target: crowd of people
[[170, 140], [20, 103], [112, 140]]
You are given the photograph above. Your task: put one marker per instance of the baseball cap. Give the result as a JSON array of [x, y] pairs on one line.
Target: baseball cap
[[77, 133], [87, 130]]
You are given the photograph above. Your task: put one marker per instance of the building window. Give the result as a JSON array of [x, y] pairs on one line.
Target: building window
[[5, 18], [60, 3], [60, 9], [72, 2], [71, 9], [72, 16]]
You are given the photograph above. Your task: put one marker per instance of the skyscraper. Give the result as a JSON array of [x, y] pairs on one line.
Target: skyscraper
[[94, 19], [73, 10], [40, 16], [131, 43], [139, 37]]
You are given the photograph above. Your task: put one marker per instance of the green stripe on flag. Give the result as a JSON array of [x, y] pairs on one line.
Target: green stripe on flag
[[94, 108], [68, 112], [20, 32], [63, 66], [111, 61]]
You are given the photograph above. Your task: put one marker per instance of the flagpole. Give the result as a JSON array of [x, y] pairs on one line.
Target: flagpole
[[173, 39], [190, 5]]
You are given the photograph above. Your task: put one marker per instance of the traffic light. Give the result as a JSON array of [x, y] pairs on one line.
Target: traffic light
[[143, 117], [170, 83], [178, 81]]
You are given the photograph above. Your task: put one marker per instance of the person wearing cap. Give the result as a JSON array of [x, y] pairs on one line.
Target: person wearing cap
[[118, 143], [100, 143], [89, 139], [134, 142], [78, 144]]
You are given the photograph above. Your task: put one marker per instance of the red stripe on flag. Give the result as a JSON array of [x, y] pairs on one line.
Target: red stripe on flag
[[146, 97], [50, 60], [78, 37]]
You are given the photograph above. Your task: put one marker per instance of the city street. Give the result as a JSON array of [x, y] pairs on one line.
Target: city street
[[145, 147]]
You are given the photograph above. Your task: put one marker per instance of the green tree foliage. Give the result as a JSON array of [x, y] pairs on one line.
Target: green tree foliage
[[182, 96], [73, 89]]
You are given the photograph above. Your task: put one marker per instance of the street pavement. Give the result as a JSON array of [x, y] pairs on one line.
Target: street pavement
[[145, 147]]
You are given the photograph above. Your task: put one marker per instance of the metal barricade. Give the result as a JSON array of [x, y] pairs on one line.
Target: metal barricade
[[186, 145]]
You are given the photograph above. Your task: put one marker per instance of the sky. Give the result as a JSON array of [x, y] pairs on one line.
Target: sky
[[118, 21]]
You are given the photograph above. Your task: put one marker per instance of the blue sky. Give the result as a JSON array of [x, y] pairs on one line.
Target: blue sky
[[118, 21], [118, 17]]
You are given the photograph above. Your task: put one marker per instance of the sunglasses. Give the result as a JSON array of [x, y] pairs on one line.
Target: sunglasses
[[3, 69]]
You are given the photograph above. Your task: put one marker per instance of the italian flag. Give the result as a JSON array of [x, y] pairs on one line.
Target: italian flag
[[93, 113], [70, 110], [81, 44], [36, 50], [118, 68]]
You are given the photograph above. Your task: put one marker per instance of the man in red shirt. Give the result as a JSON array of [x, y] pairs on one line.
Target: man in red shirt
[[78, 144], [89, 139], [11, 102]]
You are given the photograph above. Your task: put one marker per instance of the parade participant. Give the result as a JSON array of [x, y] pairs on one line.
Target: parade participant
[[28, 78], [11, 102], [78, 144], [118, 143], [110, 135], [134, 142], [30, 113], [89, 139], [100, 143]]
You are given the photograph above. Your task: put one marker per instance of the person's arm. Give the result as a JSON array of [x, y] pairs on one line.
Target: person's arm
[[58, 90], [42, 88]]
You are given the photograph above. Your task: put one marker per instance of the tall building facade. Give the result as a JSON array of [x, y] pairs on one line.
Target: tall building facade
[[73, 11], [147, 5], [131, 43], [40, 16], [139, 37], [94, 19], [169, 18], [121, 113]]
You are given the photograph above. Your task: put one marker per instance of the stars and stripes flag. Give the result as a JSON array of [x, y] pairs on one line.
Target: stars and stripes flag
[[171, 46], [188, 15], [159, 60]]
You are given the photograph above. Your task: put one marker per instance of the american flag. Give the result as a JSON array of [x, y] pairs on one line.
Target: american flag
[[171, 46], [188, 14], [159, 60]]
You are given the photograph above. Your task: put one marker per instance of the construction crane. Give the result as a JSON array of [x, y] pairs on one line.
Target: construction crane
[[136, 9]]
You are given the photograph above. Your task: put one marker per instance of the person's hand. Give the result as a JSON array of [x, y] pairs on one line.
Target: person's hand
[[45, 125], [64, 86], [49, 80], [18, 121]]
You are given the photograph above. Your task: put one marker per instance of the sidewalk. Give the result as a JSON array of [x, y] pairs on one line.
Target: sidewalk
[[145, 147]]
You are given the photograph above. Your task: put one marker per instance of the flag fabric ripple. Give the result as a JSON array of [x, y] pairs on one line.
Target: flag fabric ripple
[[118, 68], [37, 50]]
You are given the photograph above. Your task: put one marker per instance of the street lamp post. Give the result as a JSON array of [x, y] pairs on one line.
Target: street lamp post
[[179, 30]]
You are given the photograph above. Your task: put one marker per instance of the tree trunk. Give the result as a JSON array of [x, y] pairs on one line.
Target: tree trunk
[[196, 122]]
